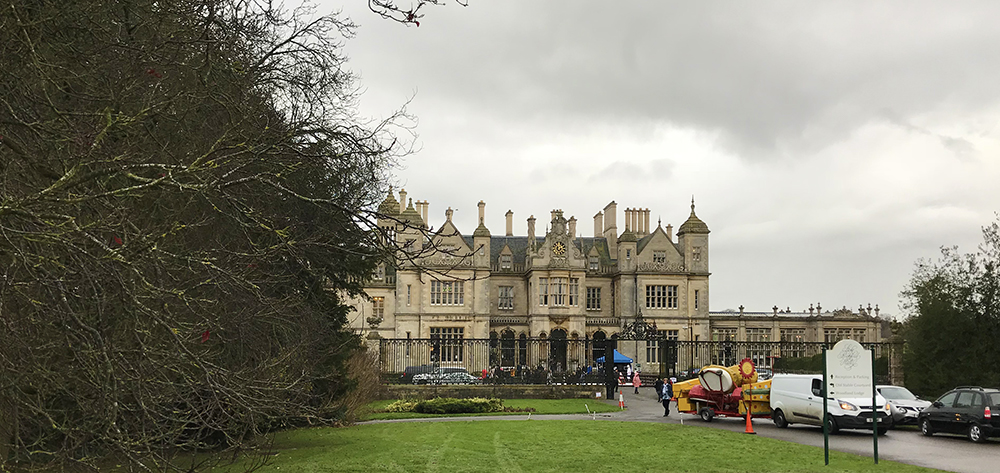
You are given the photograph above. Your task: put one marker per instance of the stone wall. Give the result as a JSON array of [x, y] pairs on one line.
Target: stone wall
[[502, 391]]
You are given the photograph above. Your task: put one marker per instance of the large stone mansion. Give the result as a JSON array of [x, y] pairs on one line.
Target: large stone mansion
[[561, 285]]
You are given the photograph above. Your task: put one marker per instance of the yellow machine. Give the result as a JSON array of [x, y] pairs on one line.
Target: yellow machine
[[724, 391]]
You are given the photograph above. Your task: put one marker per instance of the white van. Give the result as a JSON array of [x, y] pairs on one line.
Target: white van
[[798, 398]]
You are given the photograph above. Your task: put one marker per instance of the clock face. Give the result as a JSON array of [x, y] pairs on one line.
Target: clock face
[[558, 248]]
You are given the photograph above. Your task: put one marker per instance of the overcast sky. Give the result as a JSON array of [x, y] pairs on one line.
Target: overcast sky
[[828, 145]]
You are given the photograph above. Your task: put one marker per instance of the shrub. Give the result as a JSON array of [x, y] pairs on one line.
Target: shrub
[[366, 381], [402, 405], [444, 405]]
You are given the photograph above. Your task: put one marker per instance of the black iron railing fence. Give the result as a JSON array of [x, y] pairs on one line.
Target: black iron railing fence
[[533, 360]]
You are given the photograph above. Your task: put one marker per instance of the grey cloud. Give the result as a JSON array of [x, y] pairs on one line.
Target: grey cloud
[[659, 170], [961, 147], [770, 78]]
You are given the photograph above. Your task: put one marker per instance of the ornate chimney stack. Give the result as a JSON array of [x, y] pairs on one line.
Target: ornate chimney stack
[[531, 231], [422, 206], [510, 222], [610, 228]]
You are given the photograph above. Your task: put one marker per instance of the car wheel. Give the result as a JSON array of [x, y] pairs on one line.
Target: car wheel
[[883, 431], [779, 419], [831, 425], [976, 433], [925, 427], [707, 414]]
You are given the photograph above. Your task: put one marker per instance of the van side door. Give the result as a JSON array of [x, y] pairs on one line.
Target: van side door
[[815, 400]]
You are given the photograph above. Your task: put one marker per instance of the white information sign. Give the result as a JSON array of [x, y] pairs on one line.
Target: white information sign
[[849, 371]]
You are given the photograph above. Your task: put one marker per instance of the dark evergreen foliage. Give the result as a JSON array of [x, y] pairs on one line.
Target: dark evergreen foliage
[[953, 330]]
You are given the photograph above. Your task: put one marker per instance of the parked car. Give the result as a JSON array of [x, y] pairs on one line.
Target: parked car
[[904, 405], [441, 376], [970, 410], [798, 398], [411, 371], [764, 374]]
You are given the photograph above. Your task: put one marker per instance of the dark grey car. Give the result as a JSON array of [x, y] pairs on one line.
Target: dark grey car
[[969, 410]]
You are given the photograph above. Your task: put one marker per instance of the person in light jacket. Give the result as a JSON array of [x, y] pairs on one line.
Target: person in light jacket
[[636, 382]]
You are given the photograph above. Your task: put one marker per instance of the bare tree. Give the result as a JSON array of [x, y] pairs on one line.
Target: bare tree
[[409, 13], [185, 195]]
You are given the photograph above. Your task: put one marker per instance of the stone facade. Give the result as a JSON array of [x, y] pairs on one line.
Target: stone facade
[[812, 325], [556, 284], [560, 285]]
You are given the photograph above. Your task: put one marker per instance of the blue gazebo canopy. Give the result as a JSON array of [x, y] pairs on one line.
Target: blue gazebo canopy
[[619, 358]]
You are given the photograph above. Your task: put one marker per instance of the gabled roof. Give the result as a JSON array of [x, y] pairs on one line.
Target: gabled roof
[[648, 238], [598, 243], [518, 247], [449, 231]]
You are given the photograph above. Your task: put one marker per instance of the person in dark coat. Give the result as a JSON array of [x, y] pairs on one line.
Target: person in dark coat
[[668, 393], [658, 386]]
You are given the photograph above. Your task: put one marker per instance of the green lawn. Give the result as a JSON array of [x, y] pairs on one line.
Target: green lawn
[[550, 445], [541, 406]]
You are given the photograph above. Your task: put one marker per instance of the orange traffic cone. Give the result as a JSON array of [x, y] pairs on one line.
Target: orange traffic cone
[[749, 429], [621, 400]]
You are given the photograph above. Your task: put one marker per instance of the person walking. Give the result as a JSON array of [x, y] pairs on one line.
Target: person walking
[[658, 386], [636, 381], [668, 394]]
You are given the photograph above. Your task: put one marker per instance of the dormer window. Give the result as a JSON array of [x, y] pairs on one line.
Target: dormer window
[[659, 256], [505, 261], [696, 253], [628, 253], [595, 263]]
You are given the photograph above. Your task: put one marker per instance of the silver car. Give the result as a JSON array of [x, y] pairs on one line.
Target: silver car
[[445, 377], [905, 406]]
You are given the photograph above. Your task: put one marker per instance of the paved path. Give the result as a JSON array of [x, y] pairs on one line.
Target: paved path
[[949, 453]]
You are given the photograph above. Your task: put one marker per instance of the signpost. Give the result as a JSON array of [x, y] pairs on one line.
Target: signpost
[[848, 372]]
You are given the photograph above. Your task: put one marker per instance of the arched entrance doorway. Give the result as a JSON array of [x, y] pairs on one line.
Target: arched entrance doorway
[[557, 350], [597, 346], [507, 348]]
